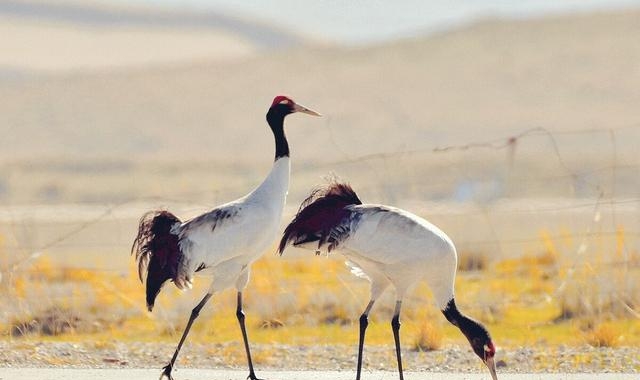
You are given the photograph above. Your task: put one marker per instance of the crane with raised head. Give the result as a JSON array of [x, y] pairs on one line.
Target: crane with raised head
[[222, 243]]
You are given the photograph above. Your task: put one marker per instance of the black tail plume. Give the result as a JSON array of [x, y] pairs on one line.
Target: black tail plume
[[157, 251], [319, 214]]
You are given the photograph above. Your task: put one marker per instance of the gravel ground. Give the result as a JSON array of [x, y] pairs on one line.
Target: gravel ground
[[19, 353], [209, 374]]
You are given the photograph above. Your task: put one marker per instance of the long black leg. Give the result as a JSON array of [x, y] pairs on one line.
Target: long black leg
[[166, 371], [364, 322], [240, 315], [395, 325]]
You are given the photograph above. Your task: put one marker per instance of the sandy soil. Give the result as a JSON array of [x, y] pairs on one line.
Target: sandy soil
[[278, 357]]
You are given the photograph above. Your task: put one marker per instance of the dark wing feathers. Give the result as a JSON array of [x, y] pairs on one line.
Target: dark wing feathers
[[322, 217], [157, 251], [157, 247], [213, 218]]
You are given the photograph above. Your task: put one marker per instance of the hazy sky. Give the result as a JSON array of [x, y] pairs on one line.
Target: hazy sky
[[367, 21]]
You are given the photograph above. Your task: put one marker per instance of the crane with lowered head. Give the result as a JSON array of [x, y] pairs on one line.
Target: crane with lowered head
[[387, 246]]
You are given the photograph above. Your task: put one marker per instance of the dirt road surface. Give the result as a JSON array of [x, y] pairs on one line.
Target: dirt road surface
[[209, 374]]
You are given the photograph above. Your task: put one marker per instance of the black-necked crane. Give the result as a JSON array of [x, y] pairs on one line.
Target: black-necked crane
[[388, 246], [222, 243]]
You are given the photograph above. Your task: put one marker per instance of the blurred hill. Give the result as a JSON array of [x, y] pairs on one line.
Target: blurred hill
[[495, 131], [484, 80], [41, 35], [492, 79]]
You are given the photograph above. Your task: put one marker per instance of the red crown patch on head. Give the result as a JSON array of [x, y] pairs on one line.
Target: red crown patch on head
[[279, 99], [490, 349]]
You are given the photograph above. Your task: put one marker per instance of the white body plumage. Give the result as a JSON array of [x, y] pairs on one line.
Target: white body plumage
[[393, 246], [222, 243], [390, 246], [225, 241]]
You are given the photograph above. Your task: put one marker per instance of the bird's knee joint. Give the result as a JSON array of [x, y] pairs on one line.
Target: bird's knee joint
[[364, 320], [240, 315], [395, 323]]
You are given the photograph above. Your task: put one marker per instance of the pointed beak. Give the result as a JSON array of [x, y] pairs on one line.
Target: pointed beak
[[300, 108], [491, 364]]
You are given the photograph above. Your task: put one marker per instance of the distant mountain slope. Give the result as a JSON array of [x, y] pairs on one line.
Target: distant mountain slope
[[92, 14], [62, 36], [490, 79]]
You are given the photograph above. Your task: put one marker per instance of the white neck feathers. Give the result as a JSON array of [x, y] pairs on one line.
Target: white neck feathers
[[273, 190]]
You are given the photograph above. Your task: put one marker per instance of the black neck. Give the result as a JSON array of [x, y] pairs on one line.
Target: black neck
[[275, 118], [467, 326]]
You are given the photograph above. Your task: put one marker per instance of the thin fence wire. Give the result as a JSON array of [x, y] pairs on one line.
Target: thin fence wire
[[604, 201]]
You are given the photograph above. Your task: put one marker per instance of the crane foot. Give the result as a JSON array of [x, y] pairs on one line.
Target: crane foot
[[166, 372]]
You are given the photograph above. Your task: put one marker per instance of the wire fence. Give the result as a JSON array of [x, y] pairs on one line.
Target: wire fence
[[630, 199], [477, 191]]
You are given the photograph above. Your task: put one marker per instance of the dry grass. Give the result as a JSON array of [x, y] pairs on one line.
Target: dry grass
[[605, 335], [472, 261], [563, 287], [314, 300], [429, 337], [603, 286]]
